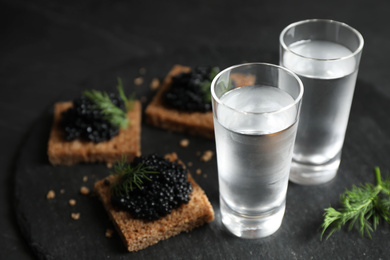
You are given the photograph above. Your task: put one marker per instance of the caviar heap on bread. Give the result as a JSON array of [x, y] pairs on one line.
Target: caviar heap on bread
[[95, 127], [150, 187], [151, 199], [183, 101], [190, 91]]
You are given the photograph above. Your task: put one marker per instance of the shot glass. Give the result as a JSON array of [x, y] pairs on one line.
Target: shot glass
[[325, 54], [255, 109]]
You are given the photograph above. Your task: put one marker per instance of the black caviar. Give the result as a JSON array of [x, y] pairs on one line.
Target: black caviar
[[167, 188], [84, 121], [191, 91]]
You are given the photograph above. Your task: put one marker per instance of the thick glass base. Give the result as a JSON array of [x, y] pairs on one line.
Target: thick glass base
[[252, 226], [314, 174]]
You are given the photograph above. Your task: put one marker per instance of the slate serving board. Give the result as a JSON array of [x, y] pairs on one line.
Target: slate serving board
[[52, 233]]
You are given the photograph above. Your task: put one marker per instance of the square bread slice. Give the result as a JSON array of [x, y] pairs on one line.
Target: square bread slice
[[161, 116], [196, 123], [62, 152], [138, 234]]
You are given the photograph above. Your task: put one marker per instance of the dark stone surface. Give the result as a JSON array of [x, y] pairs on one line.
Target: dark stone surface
[[52, 50]]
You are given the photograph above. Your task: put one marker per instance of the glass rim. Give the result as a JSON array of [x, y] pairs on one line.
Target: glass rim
[[356, 32], [287, 107]]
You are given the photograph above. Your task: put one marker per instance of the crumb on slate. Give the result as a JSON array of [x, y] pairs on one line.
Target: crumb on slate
[[85, 178], [75, 216], [189, 164], [142, 71], [207, 156], [62, 191], [109, 232], [184, 142], [138, 81], [51, 195], [198, 171], [84, 190], [72, 202], [143, 99], [154, 84]]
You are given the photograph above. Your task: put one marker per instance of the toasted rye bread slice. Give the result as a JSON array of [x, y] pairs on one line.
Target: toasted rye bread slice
[[62, 152], [161, 116], [195, 123], [138, 234]]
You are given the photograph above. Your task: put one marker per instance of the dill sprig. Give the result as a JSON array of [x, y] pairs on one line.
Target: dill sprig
[[129, 101], [363, 207], [129, 177], [205, 85], [113, 114]]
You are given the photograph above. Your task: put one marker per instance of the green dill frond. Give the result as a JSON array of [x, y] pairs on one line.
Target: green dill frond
[[111, 113], [129, 177], [331, 217], [129, 101], [363, 207], [207, 83]]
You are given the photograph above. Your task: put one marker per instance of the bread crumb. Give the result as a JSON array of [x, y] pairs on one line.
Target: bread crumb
[[143, 99], [84, 190], [109, 232], [51, 195], [207, 155], [85, 178], [205, 175], [173, 158], [198, 171], [75, 216], [184, 142], [62, 191], [138, 81], [142, 71], [154, 84], [72, 202], [189, 164]]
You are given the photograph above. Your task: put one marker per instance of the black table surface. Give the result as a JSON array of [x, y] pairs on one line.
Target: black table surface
[[52, 50]]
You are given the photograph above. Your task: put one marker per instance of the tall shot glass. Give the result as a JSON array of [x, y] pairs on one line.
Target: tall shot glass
[[325, 54], [255, 108]]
